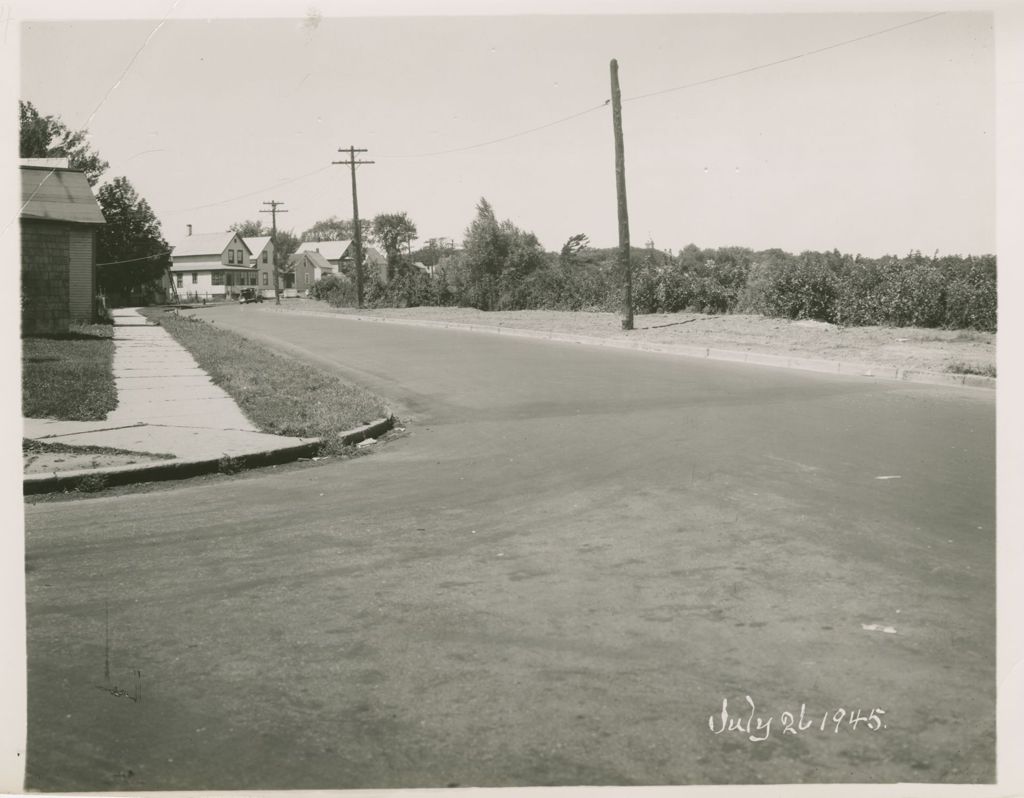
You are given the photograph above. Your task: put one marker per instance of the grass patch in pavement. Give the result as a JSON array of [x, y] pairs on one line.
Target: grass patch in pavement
[[69, 377], [281, 395]]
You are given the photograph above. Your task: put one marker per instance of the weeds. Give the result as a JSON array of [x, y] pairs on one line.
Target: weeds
[[960, 367]]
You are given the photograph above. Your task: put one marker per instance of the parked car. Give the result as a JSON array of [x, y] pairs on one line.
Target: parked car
[[250, 295]]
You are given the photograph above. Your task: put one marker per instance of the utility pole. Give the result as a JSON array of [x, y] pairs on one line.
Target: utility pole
[[273, 226], [620, 190], [356, 232]]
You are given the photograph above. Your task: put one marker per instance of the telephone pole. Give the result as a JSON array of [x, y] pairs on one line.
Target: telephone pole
[[273, 226], [620, 190], [356, 232]]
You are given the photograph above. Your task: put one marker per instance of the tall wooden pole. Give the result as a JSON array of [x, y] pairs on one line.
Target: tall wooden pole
[[620, 191], [357, 234], [273, 237]]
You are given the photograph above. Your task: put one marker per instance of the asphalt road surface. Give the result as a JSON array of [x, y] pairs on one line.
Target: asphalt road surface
[[558, 575]]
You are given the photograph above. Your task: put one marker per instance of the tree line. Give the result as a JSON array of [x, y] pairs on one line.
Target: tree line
[[500, 267]]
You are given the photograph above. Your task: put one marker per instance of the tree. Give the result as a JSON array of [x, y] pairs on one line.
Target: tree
[[497, 256], [130, 248], [573, 247], [250, 228], [391, 231], [48, 137], [335, 229], [285, 244]]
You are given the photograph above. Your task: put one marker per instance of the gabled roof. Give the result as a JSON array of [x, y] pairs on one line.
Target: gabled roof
[[204, 244], [62, 195], [256, 244], [314, 258], [332, 250]]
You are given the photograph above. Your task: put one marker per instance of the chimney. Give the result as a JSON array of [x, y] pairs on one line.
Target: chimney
[[189, 229]]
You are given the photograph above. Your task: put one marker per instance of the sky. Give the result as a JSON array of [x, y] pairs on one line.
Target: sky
[[883, 145]]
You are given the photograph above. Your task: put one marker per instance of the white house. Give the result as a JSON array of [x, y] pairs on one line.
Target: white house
[[212, 266]]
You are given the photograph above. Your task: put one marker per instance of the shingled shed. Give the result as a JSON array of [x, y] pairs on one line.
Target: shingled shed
[[59, 219]]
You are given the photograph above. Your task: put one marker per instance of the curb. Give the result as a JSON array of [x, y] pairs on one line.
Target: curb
[[846, 368], [112, 476]]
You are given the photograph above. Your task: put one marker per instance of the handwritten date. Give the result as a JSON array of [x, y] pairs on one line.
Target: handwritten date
[[758, 727]]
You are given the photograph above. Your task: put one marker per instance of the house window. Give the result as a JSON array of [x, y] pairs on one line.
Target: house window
[[307, 278], [264, 256], [178, 279], [195, 277], [265, 276], [240, 258], [217, 278], [231, 256]]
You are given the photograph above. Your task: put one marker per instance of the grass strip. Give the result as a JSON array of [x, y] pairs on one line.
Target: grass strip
[[279, 394], [69, 377]]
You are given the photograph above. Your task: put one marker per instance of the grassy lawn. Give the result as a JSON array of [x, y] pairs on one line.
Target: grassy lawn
[[279, 394], [69, 377]]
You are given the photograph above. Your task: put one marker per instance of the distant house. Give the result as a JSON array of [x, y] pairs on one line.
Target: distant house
[[212, 266], [59, 220], [306, 268], [262, 259], [341, 255]]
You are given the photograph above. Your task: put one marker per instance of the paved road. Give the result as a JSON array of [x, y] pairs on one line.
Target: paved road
[[557, 577]]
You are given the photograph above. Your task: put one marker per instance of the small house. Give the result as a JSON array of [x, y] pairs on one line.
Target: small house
[[341, 255], [59, 220], [305, 269], [212, 266]]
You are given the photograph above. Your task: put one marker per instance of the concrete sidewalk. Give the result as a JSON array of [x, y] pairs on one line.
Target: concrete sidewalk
[[167, 405]]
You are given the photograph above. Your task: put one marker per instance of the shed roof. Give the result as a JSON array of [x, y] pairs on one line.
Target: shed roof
[[332, 250], [61, 195], [204, 244]]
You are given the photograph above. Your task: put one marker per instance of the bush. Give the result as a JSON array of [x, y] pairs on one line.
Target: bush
[[337, 290]]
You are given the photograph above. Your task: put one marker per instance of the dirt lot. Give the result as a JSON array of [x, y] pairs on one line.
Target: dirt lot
[[902, 347]]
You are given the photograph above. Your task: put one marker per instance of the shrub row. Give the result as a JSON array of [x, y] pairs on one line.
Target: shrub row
[[951, 292]]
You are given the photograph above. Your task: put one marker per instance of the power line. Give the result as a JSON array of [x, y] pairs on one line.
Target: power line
[[503, 138], [133, 260], [782, 60], [252, 193], [586, 111]]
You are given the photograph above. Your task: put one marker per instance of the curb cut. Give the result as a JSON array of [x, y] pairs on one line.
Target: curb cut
[[183, 468], [846, 368]]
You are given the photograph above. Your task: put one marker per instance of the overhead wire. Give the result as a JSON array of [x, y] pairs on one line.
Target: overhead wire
[[786, 60], [584, 112]]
